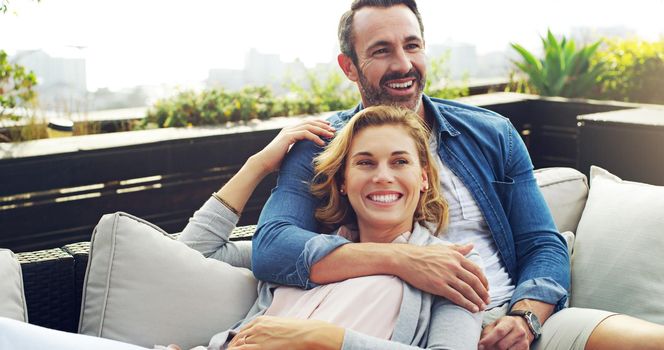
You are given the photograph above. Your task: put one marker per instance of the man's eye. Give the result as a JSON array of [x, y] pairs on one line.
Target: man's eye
[[412, 47], [380, 51]]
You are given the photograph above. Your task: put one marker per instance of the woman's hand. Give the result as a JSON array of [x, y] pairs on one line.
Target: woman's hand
[[270, 157], [238, 189], [268, 332]]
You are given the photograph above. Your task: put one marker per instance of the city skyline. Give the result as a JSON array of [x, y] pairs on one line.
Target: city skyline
[[129, 43]]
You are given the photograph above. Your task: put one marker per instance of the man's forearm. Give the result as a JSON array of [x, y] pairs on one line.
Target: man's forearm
[[541, 309], [437, 269], [356, 260]]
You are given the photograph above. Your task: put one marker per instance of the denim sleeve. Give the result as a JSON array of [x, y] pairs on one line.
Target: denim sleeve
[[285, 244], [543, 263]]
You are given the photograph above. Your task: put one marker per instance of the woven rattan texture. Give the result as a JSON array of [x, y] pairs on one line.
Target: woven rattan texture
[[80, 251], [48, 280], [243, 233]]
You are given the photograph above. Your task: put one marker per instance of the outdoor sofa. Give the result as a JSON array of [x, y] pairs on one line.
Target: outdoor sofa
[[135, 283]]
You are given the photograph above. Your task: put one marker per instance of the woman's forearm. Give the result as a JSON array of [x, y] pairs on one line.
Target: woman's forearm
[[326, 336], [238, 189]]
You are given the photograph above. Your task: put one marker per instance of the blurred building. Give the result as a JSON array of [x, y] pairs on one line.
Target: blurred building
[[259, 70], [61, 77], [461, 58], [231, 79]]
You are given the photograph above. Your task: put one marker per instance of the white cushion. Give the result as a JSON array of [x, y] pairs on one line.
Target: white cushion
[[565, 191], [618, 260], [12, 298], [145, 288]]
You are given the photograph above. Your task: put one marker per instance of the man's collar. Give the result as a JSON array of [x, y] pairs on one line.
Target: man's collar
[[430, 108], [435, 114]]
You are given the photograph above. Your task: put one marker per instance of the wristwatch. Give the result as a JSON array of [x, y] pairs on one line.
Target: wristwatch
[[531, 319]]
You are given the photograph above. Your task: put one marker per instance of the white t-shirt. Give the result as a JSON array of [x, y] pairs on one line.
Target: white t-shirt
[[466, 225]]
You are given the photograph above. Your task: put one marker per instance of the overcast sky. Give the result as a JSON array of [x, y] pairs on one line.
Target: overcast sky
[[130, 42]]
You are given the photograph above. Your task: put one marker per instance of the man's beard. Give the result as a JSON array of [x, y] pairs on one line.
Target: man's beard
[[374, 96]]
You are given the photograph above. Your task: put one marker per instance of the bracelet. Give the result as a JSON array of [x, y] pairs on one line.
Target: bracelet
[[225, 204]]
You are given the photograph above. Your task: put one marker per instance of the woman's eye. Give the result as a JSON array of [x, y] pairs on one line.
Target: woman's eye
[[401, 161], [363, 162]]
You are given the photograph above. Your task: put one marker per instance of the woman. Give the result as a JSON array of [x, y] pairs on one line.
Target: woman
[[375, 179]]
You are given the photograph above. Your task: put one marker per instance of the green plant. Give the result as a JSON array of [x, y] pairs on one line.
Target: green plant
[[635, 70], [211, 107], [517, 83], [564, 70], [439, 82], [16, 86]]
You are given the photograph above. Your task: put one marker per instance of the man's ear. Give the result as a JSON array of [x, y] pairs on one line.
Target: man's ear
[[348, 67]]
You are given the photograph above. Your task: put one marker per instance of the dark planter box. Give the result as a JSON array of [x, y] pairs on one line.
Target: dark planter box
[[548, 125], [629, 143], [53, 192]]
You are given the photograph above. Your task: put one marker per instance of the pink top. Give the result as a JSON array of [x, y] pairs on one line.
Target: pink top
[[369, 304]]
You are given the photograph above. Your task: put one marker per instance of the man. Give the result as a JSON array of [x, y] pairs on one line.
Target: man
[[488, 180]]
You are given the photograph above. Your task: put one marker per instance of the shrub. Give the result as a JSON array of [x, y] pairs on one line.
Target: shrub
[[563, 71], [16, 85], [635, 70], [218, 106]]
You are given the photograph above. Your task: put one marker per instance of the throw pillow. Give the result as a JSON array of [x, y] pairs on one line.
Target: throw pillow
[[618, 263], [565, 191], [12, 298], [145, 288]]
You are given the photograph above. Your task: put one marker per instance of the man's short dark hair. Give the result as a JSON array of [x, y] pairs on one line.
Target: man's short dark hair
[[346, 39]]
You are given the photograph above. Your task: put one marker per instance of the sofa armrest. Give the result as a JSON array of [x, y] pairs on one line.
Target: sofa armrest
[[48, 282]]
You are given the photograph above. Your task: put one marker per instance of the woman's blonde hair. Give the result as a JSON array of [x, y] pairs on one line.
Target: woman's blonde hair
[[330, 166]]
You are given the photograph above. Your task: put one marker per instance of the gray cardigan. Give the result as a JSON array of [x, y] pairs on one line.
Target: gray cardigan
[[424, 321]]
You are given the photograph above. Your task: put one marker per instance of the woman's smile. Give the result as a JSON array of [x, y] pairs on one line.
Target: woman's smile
[[384, 198]]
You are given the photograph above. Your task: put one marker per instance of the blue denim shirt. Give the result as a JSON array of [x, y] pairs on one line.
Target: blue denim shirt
[[484, 150]]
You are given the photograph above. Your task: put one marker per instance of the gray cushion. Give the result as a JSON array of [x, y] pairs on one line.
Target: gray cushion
[[12, 297], [565, 191], [618, 260], [145, 288]]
